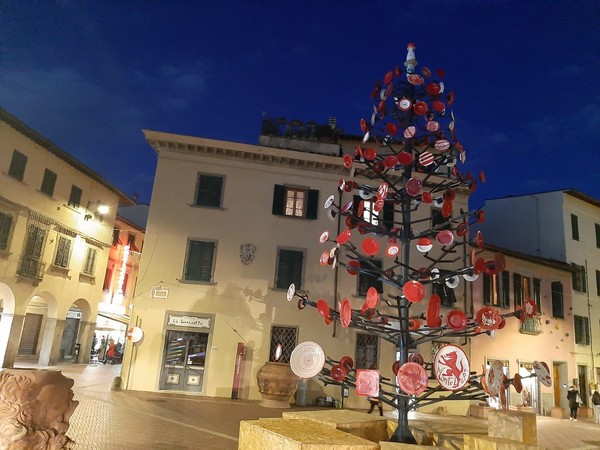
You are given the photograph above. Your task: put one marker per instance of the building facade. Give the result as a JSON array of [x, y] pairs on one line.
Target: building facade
[[54, 244], [230, 227], [563, 226]]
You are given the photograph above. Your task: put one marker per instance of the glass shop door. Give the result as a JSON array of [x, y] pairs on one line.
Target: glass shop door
[[183, 361]]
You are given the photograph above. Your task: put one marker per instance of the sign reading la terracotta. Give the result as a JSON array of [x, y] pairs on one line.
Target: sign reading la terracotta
[[188, 321]]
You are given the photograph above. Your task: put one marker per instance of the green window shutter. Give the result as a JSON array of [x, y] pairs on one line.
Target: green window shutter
[[505, 287], [289, 269], [17, 165], [388, 215], [209, 191], [557, 300], [199, 261], [5, 225], [279, 200], [312, 205], [518, 290]]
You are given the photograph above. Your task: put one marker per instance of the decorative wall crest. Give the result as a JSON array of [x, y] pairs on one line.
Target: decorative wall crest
[[247, 253]]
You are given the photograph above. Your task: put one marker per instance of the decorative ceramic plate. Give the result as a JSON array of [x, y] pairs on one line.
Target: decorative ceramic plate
[[367, 382], [412, 378], [307, 359], [494, 378], [290, 292], [451, 367], [433, 311], [346, 313], [457, 320], [542, 372]]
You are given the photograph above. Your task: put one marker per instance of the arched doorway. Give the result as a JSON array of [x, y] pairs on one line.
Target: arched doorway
[[75, 332]]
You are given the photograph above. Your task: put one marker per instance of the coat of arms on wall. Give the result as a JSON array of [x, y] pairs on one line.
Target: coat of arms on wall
[[247, 253]]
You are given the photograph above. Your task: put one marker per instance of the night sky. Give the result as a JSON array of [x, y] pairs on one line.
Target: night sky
[[90, 76]]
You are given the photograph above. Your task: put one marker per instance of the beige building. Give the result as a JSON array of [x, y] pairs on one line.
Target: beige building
[[547, 337], [230, 226], [54, 243], [563, 226]]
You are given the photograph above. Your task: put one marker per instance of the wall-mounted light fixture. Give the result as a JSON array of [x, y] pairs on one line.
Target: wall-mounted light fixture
[[97, 209]]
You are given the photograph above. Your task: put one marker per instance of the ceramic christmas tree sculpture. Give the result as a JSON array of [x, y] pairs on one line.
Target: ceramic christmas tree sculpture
[[411, 156]]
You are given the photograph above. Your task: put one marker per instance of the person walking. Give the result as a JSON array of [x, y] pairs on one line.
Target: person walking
[[596, 404], [574, 402]]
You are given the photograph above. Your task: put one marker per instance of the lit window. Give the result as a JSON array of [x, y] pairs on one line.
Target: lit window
[[521, 289], [496, 289], [295, 202]]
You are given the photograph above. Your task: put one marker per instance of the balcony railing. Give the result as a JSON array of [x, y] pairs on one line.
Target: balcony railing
[[532, 325], [30, 267]]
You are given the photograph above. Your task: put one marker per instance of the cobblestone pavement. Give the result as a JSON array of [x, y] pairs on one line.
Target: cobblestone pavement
[[108, 419]]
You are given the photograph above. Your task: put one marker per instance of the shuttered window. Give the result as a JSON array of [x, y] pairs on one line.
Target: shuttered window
[[289, 268], [209, 191], [5, 227], [48, 182], [63, 252], [369, 277], [89, 264], [75, 196], [295, 202], [17, 165], [558, 307], [199, 261]]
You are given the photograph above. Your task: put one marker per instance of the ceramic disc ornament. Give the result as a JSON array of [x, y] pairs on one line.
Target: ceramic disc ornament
[[543, 373], [494, 378], [451, 367], [412, 378], [307, 359], [414, 291], [290, 292]]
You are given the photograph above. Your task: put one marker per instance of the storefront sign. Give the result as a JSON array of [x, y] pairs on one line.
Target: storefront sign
[[189, 321]]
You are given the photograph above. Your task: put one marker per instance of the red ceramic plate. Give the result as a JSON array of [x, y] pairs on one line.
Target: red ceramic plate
[[442, 145], [414, 324], [390, 161], [416, 358], [457, 320], [382, 191], [517, 383], [391, 128], [433, 88], [433, 311], [488, 318], [415, 79], [338, 373], [344, 237], [530, 308], [426, 197], [405, 158], [424, 245], [324, 236], [353, 267], [372, 297], [413, 291], [323, 308], [412, 378], [500, 261], [347, 161], [346, 313], [439, 106], [445, 237], [370, 154], [347, 362], [542, 372], [347, 207], [413, 186], [479, 266], [420, 108], [409, 132], [426, 159], [370, 246], [404, 104], [396, 366], [367, 382]]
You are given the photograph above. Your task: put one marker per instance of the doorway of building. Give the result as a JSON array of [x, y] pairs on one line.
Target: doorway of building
[[583, 385], [183, 361]]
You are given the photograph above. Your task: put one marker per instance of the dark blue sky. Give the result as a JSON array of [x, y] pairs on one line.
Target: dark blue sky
[[90, 75]]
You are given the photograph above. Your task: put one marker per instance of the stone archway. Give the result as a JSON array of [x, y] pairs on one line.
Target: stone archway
[[10, 327], [76, 340]]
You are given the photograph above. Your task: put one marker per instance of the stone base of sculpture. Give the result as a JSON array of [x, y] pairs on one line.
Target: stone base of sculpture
[[35, 408]]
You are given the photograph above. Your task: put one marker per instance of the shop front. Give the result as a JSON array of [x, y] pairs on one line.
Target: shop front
[[185, 354]]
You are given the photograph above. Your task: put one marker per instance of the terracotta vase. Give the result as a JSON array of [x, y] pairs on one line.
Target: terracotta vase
[[276, 383]]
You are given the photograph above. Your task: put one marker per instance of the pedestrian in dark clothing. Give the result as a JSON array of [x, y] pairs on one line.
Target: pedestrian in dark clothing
[[574, 402], [596, 403]]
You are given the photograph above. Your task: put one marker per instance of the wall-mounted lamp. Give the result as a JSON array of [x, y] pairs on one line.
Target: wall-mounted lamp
[[97, 209]]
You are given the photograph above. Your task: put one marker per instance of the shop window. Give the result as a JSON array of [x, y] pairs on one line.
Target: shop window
[[287, 338], [289, 268], [63, 252], [5, 229], [295, 202], [17, 165], [48, 183], [366, 351], [75, 196], [574, 227], [89, 263], [209, 191], [582, 331], [199, 263], [369, 277], [578, 277], [496, 289], [558, 306]]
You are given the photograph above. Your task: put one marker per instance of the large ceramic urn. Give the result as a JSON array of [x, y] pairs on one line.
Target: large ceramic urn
[[276, 383]]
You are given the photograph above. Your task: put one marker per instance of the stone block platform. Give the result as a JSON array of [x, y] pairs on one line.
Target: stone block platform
[[297, 434], [492, 443], [519, 426]]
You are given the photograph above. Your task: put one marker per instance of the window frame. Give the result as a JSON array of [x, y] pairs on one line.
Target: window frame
[[6, 228], [33, 251], [556, 297], [205, 244], [88, 267], [280, 196], [366, 281], [581, 326], [18, 164], [578, 278], [290, 277], [288, 344], [496, 289], [362, 358], [59, 253], [574, 227], [75, 196], [597, 228], [48, 182], [209, 197]]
